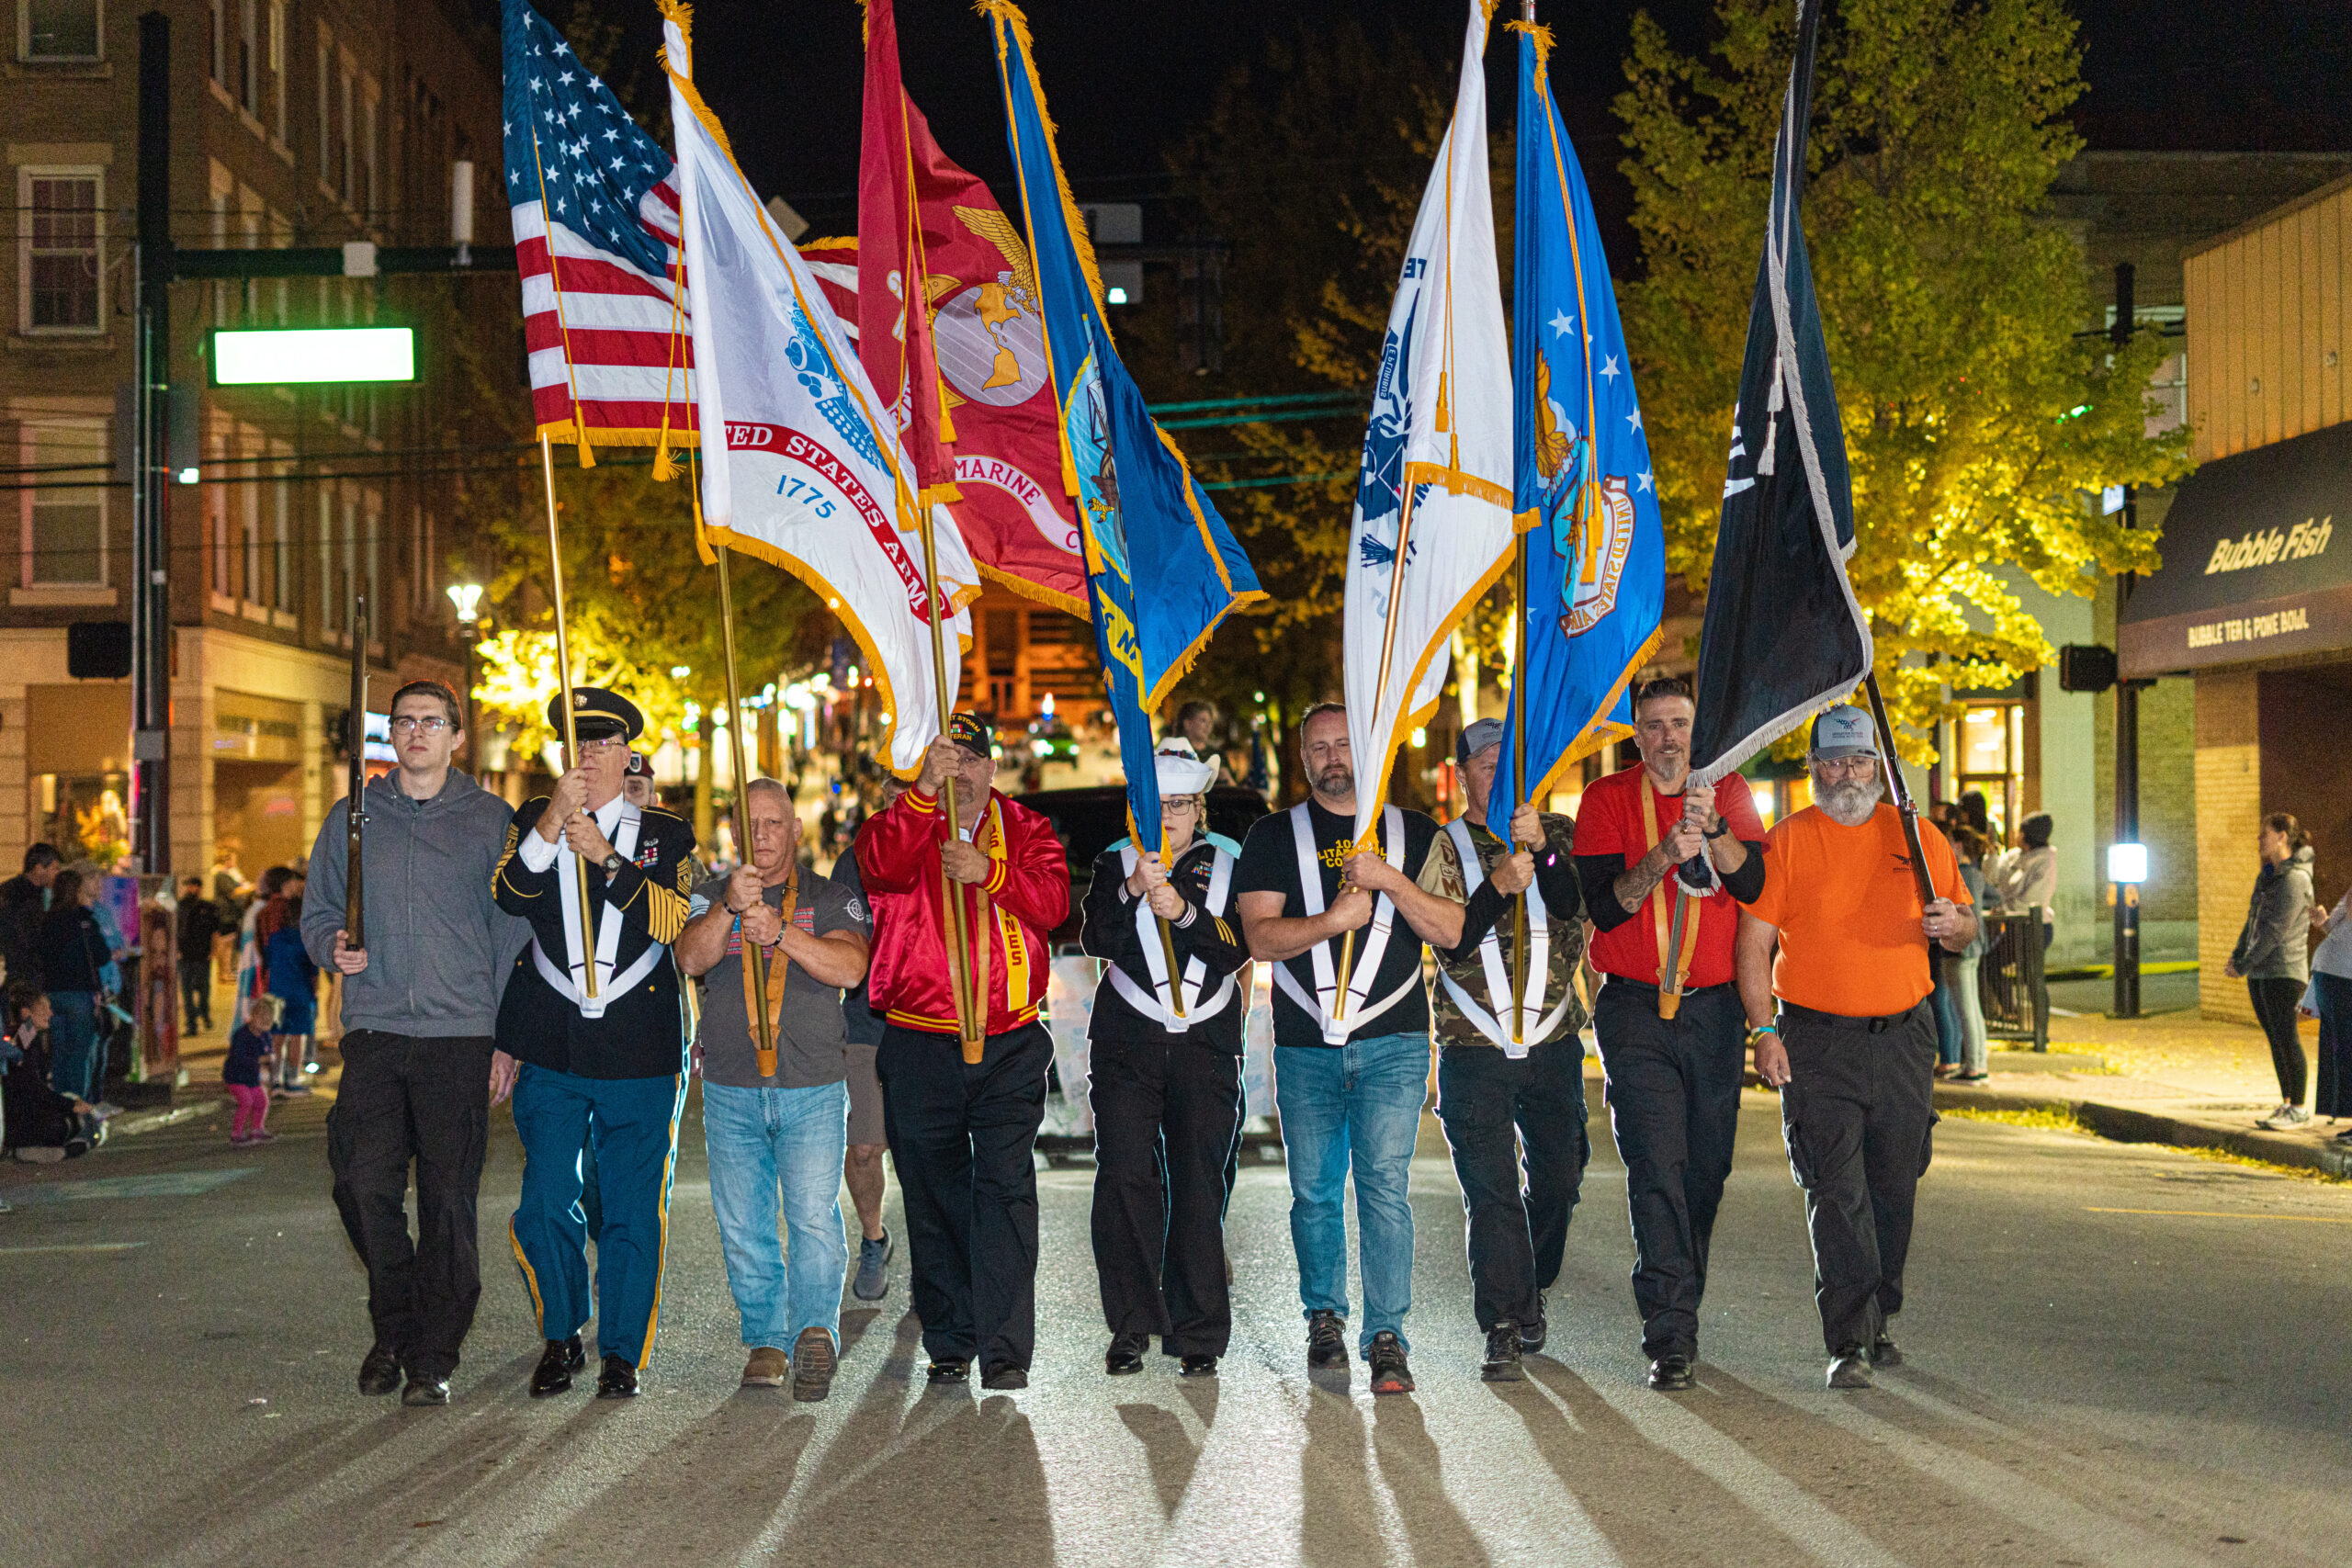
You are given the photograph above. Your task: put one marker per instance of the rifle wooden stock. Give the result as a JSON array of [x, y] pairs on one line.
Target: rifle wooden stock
[[354, 901]]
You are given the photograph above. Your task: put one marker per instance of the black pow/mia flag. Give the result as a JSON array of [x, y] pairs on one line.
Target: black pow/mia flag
[[1783, 634]]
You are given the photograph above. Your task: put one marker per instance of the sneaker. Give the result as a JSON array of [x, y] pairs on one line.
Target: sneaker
[[873, 1259], [1972, 1077], [380, 1372], [1503, 1353], [239, 1140], [1532, 1334], [295, 1089], [1389, 1372], [813, 1365], [2285, 1116], [765, 1369], [262, 1136], [1671, 1373], [1327, 1341], [1850, 1368], [1884, 1351]]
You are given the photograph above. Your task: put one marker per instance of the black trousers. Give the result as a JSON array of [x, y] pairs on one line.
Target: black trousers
[[1517, 1130], [1672, 1087], [195, 992], [1859, 1114], [1165, 1116], [406, 1099], [2274, 1008], [963, 1140]]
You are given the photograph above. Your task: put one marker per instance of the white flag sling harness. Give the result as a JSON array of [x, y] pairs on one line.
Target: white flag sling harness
[[1534, 1025], [609, 985], [1360, 1011], [1154, 1004]]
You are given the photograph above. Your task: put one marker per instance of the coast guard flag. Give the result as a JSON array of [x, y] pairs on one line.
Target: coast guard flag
[[1162, 568], [595, 203], [1432, 524], [1783, 636], [800, 463], [1596, 548]]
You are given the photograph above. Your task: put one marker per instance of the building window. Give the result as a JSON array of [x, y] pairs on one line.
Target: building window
[[277, 67], [64, 512], [217, 39], [326, 115], [1992, 752], [368, 187], [249, 525], [249, 56], [329, 618], [60, 30], [372, 578], [281, 570], [63, 257], [216, 516], [343, 127]]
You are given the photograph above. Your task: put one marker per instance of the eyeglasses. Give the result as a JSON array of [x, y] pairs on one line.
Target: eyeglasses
[[604, 747], [408, 724], [1180, 808], [1852, 767]]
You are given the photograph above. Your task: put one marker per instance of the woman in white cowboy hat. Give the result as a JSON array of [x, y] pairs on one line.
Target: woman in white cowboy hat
[[1165, 1080]]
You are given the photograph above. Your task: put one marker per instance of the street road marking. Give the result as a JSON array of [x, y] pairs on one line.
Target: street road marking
[[2229, 1214], [72, 1247], [162, 1184]]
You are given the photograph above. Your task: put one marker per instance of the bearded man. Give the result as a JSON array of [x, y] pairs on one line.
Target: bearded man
[[1853, 1047]]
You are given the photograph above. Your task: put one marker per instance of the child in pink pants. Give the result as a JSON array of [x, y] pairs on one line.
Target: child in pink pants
[[242, 1074]]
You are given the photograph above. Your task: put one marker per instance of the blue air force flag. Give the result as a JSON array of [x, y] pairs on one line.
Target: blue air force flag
[[1432, 524], [1161, 568], [1783, 634], [1596, 550]]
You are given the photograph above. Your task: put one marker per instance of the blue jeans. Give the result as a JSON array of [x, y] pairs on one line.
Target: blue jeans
[[1360, 1105], [74, 1043], [762, 1141]]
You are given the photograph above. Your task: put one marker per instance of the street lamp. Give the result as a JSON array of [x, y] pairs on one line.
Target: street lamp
[[466, 598], [2127, 867]]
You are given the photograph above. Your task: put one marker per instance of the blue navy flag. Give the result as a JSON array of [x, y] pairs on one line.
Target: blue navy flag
[[1783, 636], [1586, 499], [1161, 567]]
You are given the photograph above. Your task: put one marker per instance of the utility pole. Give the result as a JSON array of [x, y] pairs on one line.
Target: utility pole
[[2127, 732], [151, 605]]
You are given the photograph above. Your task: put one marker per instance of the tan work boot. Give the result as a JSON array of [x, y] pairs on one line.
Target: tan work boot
[[813, 1365], [765, 1369]]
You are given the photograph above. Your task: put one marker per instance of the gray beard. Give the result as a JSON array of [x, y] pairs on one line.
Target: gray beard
[[1334, 783], [1848, 805]]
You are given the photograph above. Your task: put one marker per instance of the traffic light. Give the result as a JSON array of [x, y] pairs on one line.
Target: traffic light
[[2086, 667]]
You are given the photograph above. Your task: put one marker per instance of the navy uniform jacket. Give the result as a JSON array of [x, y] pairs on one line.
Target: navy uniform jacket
[[638, 1036]]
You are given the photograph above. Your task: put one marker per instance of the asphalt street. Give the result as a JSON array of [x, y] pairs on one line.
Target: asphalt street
[[2117, 1356]]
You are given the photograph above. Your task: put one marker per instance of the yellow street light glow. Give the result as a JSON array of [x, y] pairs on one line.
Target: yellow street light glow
[[313, 354]]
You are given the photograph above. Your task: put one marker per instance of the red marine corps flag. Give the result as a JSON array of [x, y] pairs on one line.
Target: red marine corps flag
[[967, 339]]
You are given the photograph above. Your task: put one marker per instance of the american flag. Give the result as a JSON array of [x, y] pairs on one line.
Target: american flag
[[595, 218]]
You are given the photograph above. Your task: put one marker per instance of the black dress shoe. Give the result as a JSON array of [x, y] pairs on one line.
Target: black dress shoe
[[1532, 1335], [1885, 1352], [1197, 1367], [617, 1380], [380, 1372], [425, 1391], [1670, 1374], [1503, 1346], [948, 1369], [1125, 1356], [1004, 1375], [557, 1363]]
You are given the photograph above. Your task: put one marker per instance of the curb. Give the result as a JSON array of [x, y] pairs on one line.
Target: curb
[[130, 1125], [2121, 1124]]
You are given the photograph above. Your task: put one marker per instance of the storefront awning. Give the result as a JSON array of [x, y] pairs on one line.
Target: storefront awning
[[2253, 567]]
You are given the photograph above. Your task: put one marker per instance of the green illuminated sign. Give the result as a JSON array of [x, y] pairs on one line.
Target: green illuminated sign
[[313, 354]]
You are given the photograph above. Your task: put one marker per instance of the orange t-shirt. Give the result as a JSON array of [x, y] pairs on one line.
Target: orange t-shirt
[[1849, 911]]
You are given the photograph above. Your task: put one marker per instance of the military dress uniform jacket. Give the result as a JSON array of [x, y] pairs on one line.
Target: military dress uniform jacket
[[1131, 1003], [636, 1032]]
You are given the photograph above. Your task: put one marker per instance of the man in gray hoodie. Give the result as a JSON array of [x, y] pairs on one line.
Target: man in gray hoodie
[[420, 1006]]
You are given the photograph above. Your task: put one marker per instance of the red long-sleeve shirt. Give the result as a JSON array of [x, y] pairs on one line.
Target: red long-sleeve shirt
[[1007, 918]]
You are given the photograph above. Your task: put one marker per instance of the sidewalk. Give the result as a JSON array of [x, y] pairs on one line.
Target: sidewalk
[[2174, 1078]]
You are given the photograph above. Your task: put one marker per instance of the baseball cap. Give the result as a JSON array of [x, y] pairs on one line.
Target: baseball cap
[[973, 733], [1844, 731], [1477, 738]]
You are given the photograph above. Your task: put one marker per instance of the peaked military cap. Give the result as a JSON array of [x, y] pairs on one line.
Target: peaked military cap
[[597, 715]]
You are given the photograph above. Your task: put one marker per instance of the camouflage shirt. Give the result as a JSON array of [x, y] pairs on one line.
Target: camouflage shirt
[[1562, 902]]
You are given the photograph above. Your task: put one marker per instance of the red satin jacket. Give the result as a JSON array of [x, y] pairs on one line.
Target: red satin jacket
[[1008, 916]]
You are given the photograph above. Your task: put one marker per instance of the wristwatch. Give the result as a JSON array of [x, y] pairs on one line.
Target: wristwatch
[[1718, 832], [613, 863]]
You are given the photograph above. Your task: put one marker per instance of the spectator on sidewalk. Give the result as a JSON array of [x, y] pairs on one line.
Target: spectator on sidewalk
[[2329, 1000], [290, 975], [240, 1074], [200, 922], [41, 1126], [2027, 877], [1960, 967], [24, 902], [2273, 958], [71, 953]]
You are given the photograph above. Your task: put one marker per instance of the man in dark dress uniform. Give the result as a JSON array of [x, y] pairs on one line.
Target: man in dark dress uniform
[[610, 1066]]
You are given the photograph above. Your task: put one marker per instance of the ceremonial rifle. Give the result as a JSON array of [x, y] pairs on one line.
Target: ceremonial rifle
[[354, 917]]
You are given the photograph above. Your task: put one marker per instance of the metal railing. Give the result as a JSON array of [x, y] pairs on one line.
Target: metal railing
[[2010, 983]]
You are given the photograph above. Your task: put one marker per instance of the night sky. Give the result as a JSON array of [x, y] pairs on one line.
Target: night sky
[[1123, 79]]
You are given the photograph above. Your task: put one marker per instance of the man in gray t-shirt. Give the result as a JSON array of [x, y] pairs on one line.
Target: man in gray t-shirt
[[776, 1131]]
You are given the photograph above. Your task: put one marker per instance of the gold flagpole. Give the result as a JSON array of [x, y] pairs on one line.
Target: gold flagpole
[[1519, 785], [971, 1031], [1388, 651], [571, 731], [762, 1032], [1167, 937]]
